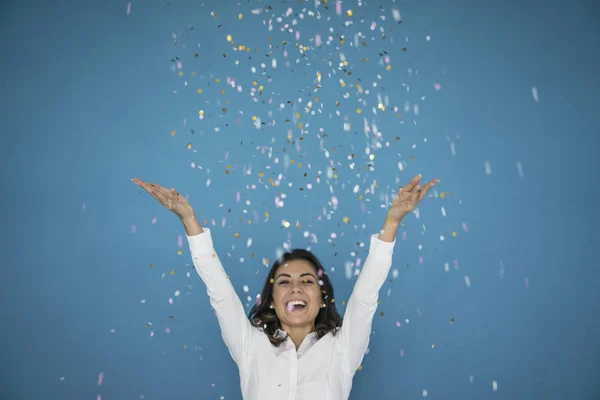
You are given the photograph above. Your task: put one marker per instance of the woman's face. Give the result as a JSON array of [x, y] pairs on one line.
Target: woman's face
[[296, 294]]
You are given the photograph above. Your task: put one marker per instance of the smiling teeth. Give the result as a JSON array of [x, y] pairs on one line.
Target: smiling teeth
[[297, 303]]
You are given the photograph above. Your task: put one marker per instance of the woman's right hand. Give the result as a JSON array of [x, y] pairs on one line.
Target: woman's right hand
[[172, 200]]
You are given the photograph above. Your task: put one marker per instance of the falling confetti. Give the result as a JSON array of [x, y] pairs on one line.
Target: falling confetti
[[488, 168], [128, 8], [534, 92]]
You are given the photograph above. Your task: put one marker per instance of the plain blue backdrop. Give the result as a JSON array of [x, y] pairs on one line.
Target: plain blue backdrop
[[498, 99]]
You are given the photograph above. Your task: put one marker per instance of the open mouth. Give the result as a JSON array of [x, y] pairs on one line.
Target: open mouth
[[295, 306]]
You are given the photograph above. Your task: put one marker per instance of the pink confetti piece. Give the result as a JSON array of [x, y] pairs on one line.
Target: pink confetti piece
[[527, 283], [100, 378], [99, 397], [338, 7], [401, 352], [223, 222], [464, 226], [170, 300], [128, 12], [133, 228], [437, 86], [398, 324], [420, 259], [180, 241], [237, 197], [151, 333], [153, 221], [318, 40], [167, 330]]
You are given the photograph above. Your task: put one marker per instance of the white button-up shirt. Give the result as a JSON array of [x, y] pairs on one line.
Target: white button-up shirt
[[319, 369]]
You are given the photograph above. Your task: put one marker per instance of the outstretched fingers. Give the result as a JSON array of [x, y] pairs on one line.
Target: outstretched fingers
[[412, 184]]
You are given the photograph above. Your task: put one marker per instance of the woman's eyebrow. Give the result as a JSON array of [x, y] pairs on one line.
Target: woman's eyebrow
[[289, 276]]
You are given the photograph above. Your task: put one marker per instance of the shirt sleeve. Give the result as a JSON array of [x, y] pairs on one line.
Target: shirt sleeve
[[355, 332], [236, 329]]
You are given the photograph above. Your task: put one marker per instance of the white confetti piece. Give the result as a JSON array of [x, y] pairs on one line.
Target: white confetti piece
[[494, 386], [534, 92], [468, 281], [520, 170], [488, 168], [396, 15], [424, 392]]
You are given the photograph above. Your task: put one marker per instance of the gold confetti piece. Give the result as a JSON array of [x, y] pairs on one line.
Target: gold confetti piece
[[272, 280], [346, 220], [240, 16], [217, 80], [452, 320], [149, 325], [189, 146], [454, 234], [389, 67], [358, 111], [229, 38], [237, 235], [173, 272], [360, 367], [349, 13], [199, 91], [172, 133], [179, 252], [151, 265]]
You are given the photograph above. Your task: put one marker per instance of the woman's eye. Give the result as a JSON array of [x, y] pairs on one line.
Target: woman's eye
[[283, 282], [308, 281]]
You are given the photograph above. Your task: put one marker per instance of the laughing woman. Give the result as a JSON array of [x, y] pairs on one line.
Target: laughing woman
[[293, 344]]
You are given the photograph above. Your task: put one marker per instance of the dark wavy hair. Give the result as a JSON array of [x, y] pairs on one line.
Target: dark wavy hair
[[328, 319]]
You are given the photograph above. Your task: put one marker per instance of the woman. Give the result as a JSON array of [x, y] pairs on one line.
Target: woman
[[293, 345]]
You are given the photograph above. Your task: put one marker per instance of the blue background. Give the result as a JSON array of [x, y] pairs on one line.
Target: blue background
[[90, 99]]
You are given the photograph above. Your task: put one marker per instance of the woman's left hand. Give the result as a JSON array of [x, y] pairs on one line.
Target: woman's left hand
[[407, 198]]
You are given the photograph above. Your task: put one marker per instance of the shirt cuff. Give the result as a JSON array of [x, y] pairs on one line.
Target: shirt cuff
[[380, 248], [201, 243]]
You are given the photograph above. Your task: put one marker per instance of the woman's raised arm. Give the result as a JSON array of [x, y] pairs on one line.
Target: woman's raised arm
[[362, 305], [236, 329]]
